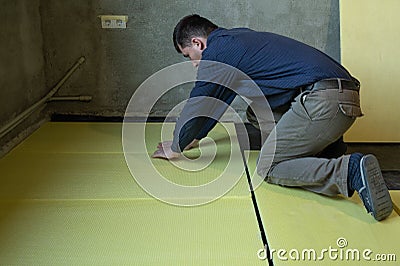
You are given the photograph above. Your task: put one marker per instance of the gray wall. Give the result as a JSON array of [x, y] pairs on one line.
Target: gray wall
[[41, 39], [22, 75], [21, 56], [118, 61]]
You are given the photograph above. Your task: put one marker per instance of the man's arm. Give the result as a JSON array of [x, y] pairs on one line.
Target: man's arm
[[201, 113], [211, 95]]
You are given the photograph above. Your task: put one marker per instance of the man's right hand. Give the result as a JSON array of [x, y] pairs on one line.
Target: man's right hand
[[168, 144]]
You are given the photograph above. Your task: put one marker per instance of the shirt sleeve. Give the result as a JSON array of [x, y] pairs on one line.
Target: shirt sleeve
[[207, 103], [212, 93]]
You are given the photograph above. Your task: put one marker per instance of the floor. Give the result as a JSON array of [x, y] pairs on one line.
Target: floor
[[388, 154], [67, 197], [71, 196]]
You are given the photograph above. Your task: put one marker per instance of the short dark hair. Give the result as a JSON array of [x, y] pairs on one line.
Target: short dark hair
[[189, 27]]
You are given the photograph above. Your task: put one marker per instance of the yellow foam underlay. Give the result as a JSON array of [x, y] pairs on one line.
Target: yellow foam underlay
[[128, 232], [74, 160], [67, 198], [297, 219], [90, 176], [396, 200], [67, 176], [60, 137], [82, 137]]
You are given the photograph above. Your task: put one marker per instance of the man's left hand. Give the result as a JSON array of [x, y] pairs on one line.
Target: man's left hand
[[165, 152]]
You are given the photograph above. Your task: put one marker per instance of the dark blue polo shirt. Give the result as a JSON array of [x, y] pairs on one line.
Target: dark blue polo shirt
[[278, 65]]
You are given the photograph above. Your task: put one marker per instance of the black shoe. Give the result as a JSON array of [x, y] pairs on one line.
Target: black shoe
[[374, 193]]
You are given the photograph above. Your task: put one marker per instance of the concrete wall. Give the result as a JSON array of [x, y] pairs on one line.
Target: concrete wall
[[22, 74], [40, 40], [119, 60]]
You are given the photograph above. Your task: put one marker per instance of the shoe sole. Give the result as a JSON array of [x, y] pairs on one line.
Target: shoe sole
[[375, 185]]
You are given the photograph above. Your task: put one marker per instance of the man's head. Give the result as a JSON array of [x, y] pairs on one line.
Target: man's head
[[190, 36]]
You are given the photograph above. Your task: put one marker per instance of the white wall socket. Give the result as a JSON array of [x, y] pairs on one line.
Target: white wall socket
[[113, 21]]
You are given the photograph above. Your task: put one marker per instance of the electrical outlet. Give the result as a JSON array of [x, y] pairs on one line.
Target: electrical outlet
[[113, 21]]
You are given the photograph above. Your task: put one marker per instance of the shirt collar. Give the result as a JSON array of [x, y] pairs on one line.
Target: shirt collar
[[214, 34]]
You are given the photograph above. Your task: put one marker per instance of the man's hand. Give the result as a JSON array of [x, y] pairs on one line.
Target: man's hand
[[164, 150], [164, 144], [193, 144], [168, 143]]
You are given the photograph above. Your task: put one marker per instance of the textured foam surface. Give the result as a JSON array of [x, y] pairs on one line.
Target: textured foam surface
[[67, 197], [127, 232], [60, 137], [299, 220], [76, 160]]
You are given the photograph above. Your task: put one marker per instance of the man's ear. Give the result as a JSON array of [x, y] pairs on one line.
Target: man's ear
[[199, 42]]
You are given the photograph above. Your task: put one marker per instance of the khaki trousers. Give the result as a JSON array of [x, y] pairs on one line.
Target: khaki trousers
[[315, 120]]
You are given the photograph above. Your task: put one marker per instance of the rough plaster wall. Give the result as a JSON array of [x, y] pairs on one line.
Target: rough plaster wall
[[22, 77], [40, 40], [22, 64], [118, 61]]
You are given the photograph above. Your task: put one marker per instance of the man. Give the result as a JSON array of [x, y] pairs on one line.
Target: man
[[323, 99]]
